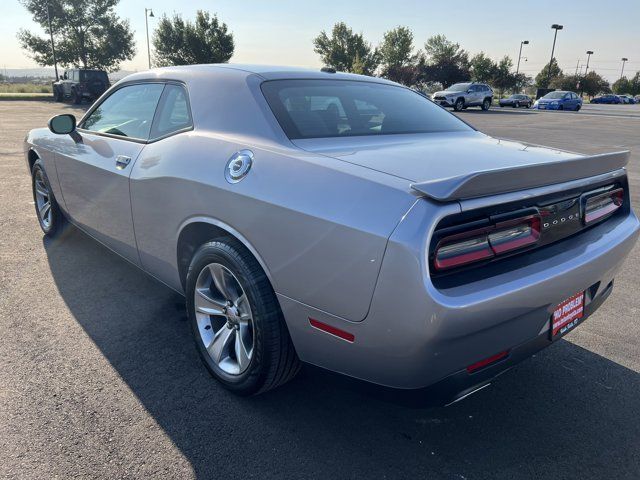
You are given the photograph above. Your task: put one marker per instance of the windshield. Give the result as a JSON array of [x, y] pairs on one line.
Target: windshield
[[344, 108], [555, 95], [458, 87]]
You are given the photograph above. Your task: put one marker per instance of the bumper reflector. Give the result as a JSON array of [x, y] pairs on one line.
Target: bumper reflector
[[349, 337], [487, 361]]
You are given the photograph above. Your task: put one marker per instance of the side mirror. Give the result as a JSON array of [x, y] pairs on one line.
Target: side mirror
[[62, 124]]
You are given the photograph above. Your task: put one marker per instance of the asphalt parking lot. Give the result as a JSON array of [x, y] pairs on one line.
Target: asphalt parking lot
[[99, 376]]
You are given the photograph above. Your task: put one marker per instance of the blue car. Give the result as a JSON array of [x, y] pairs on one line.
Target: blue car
[[609, 98], [559, 100]]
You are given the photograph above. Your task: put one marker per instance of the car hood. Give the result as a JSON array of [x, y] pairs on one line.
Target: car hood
[[444, 93], [436, 163], [549, 100]]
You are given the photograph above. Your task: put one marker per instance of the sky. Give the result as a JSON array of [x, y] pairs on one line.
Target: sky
[[281, 31]]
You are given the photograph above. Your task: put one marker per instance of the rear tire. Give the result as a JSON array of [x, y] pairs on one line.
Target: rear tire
[[459, 105], [237, 324], [48, 212], [486, 104]]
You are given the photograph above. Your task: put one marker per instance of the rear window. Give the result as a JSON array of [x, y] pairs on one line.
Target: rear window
[[344, 108], [93, 75]]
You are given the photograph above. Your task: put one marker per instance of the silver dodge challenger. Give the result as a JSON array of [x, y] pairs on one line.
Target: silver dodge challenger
[[338, 220]]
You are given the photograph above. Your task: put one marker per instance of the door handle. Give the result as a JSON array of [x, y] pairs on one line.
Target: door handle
[[122, 161]]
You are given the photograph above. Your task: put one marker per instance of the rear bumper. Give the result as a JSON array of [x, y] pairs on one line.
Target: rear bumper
[[418, 336], [461, 384]]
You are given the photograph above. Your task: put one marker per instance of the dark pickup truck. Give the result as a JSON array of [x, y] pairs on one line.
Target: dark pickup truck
[[78, 84]]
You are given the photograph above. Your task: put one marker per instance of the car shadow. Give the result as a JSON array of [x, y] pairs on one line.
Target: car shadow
[[566, 413]]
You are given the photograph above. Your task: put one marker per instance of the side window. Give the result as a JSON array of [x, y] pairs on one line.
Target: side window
[[127, 112], [173, 114]]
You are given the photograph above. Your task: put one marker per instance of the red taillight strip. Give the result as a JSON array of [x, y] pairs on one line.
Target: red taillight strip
[[487, 361], [349, 337]]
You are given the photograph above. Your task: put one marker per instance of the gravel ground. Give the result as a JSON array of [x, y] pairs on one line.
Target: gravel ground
[[99, 376]]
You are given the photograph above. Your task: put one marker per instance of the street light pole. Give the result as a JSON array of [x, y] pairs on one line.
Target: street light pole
[[589, 53], [556, 27], [525, 42], [53, 46], [624, 59], [586, 71], [148, 13]]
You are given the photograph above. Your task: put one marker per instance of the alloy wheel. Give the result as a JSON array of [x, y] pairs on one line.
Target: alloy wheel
[[224, 319], [43, 200]]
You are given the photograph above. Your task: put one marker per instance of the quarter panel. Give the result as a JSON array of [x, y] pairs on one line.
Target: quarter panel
[[320, 225]]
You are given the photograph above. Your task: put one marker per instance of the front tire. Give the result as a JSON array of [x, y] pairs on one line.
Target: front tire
[[77, 98], [50, 217], [459, 105], [237, 324]]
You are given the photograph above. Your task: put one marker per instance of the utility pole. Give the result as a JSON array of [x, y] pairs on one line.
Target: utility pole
[[53, 46]]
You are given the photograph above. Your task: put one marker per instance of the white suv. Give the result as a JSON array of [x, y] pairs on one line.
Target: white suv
[[463, 95]]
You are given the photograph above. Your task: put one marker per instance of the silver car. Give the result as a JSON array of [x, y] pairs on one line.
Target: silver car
[[464, 95], [338, 220]]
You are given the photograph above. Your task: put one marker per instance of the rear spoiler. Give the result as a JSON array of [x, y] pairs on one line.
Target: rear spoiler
[[504, 180]]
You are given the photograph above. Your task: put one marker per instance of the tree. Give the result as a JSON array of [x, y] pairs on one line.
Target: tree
[[87, 34], [543, 79], [483, 69], [446, 62], [592, 84], [503, 79], [635, 84], [180, 42], [566, 82], [346, 51], [396, 54], [522, 81], [622, 86]]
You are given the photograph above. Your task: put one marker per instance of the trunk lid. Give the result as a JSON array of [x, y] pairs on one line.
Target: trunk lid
[[461, 165]]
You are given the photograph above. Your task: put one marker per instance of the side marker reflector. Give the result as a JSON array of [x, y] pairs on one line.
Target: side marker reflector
[[487, 361], [349, 337]]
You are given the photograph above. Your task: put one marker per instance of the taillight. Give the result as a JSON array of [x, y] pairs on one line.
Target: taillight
[[515, 234], [457, 253], [485, 243], [601, 206]]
